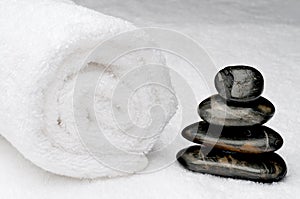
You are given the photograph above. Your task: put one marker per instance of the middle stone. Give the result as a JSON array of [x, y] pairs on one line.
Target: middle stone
[[254, 139], [215, 110]]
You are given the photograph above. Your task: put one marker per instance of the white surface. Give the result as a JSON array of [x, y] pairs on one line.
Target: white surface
[[264, 34]]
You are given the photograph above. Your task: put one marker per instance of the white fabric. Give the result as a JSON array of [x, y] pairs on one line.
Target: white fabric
[[42, 47]]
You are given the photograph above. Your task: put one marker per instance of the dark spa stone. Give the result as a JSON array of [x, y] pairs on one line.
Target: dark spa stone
[[254, 139], [266, 167], [239, 83], [216, 110]]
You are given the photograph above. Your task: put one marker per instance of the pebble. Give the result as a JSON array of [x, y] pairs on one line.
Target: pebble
[[216, 110], [253, 139], [267, 167], [239, 83]]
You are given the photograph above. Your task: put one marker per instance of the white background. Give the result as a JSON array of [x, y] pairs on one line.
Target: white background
[[265, 34]]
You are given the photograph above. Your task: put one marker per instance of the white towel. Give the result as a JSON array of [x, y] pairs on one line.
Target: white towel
[[42, 46]]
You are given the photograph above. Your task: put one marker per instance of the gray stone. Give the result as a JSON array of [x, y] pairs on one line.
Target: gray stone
[[239, 83], [266, 167], [253, 139], [216, 110]]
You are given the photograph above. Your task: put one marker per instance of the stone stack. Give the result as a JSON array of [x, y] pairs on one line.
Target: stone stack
[[233, 141]]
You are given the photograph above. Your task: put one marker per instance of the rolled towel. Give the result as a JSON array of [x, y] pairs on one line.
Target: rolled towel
[[50, 110]]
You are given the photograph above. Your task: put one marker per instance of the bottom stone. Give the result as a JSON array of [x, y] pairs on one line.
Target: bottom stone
[[269, 167]]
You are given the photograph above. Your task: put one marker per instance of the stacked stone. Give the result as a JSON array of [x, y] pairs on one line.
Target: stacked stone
[[233, 141]]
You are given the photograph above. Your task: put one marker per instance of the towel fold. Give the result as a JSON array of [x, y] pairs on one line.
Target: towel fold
[[50, 110]]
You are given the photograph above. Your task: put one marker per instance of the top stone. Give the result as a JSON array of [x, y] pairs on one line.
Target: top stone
[[239, 83]]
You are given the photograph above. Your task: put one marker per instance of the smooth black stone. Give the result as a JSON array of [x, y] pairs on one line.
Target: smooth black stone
[[254, 139], [266, 167], [239, 83], [216, 110]]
